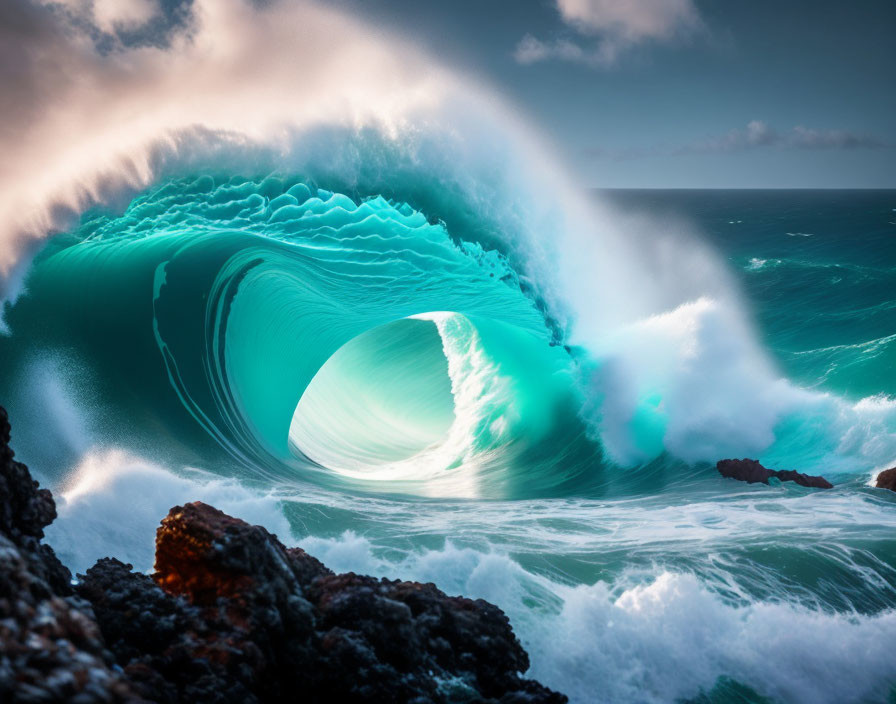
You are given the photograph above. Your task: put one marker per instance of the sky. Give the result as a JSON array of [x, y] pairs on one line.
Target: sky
[[628, 93], [682, 93]]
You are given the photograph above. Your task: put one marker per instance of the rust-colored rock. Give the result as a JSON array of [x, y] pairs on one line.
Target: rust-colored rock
[[191, 554]]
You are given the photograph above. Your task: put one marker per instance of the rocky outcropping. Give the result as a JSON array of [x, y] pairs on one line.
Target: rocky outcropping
[[751, 471], [231, 615], [887, 479], [51, 649]]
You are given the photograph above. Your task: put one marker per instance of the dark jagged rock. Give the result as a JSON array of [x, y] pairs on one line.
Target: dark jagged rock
[[752, 472], [267, 623], [169, 649], [232, 616], [25, 510], [813, 482], [744, 470], [887, 479], [455, 635], [51, 649]]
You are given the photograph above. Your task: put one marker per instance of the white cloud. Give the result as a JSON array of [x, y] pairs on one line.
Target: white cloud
[[634, 20], [758, 132], [531, 50], [610, 27]]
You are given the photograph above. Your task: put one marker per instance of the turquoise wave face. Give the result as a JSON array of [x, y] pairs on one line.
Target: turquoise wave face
[[307, 333]]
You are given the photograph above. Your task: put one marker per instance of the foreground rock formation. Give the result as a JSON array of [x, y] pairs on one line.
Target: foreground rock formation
[[231, 615], [752, 472], [887, 479], [51, 648]]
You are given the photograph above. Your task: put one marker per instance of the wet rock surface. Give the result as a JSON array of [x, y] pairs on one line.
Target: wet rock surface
[[887, 479], [752, 472], [231, 615], [51, 648]]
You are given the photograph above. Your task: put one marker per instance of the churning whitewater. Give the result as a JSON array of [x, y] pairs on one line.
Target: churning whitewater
[[367, 310]]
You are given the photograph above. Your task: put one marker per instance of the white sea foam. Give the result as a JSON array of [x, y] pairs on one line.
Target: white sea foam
[[112, 503], [665, 639], [695, 383], [650, 636], [757, 264]]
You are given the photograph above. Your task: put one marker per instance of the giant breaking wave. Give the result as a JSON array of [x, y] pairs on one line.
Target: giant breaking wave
[[304, 256]]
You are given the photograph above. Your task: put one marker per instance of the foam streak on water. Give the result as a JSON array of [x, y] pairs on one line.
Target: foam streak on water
[[619, 600]]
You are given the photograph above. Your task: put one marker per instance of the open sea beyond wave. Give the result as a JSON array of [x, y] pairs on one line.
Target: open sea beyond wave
[[378, 379]]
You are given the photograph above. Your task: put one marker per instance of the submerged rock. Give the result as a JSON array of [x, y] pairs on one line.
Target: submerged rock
[[751, 471], [231, 615], [887, 479], [744, 470]]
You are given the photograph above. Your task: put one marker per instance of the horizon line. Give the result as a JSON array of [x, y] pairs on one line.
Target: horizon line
[[742, 188]]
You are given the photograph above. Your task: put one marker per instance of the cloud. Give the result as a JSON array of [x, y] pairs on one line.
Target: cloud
[[109, 16], [635, 20], [609, 28], [833, 139], [756, 135], [759, 134], [112, 15]]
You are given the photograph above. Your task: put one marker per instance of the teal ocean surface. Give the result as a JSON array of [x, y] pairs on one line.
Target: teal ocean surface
[[396, 381]]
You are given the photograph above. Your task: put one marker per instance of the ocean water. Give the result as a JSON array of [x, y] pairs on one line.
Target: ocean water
[[415, 379], [821, 294]]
